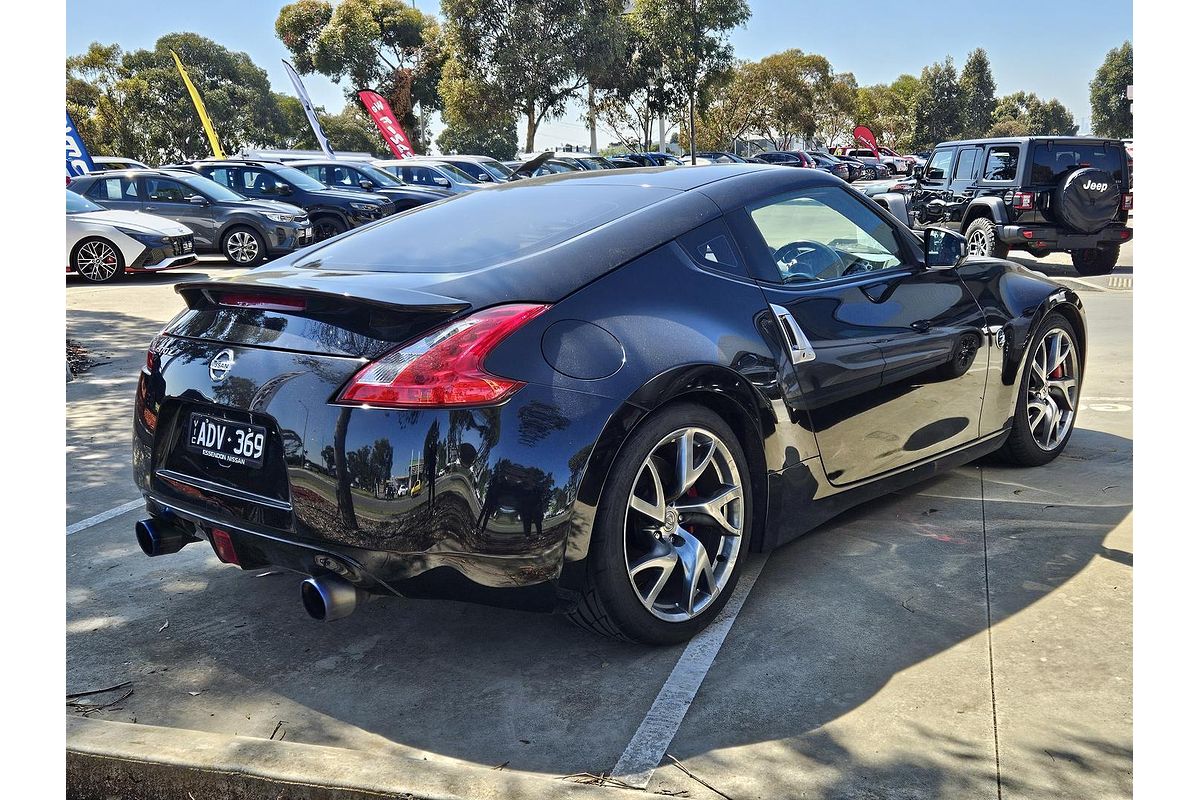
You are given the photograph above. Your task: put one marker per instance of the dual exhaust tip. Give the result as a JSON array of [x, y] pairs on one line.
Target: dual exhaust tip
[[325, 597]]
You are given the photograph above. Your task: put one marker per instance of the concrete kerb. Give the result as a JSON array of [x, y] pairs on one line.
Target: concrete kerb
[[145, 762]]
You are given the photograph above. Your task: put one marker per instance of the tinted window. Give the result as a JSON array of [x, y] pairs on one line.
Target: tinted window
[[314, 171], [825, 233], [1001, 164], [965, 168], [1051, 162], [938, 165], [210, 188], [124, 188], [259, 181], [164, 190], [78, 204], [504, 223], [223, 176], [712, 246]]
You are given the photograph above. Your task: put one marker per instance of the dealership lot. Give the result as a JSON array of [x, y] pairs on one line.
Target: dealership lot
[[972, 629]]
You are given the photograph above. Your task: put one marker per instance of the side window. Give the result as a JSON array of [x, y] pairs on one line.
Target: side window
[[162, 190], [113, 189], [939, 165], [314, 172], [417, 175], [825, 233], [223, 176], [339, 176], [965, 168], [260, 182], [1001, 163], [711, 245]]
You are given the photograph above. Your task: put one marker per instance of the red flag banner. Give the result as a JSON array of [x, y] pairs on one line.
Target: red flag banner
[[863, 135], [393, 134]]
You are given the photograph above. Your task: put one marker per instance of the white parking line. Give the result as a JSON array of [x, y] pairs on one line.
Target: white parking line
[[646, 750], [84, 524]]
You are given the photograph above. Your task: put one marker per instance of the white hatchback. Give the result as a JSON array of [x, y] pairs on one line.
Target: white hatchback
[[103, 245]]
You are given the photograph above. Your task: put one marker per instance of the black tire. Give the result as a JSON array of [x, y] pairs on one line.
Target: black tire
[[326, 226], [982, 234], [1020, 448], [243, 246], [609, 605], [1095, 260], [90, 257]]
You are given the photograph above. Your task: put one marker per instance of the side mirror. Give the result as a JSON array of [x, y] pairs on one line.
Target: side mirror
[[943, 248], [283, 189], [443, 182], [483, 177], [198, 200], [366, 184]]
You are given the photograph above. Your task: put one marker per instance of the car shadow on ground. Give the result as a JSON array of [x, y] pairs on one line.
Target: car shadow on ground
[[1059, 270], [835, 616]]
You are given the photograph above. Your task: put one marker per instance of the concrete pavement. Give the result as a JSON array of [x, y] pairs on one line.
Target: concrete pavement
[[967, 637]]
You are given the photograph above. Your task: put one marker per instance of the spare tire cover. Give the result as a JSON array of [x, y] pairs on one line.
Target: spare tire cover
[[1087, 199]]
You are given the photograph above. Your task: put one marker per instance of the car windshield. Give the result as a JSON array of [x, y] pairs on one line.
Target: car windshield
[[496, 170], [1052, 161], [502, 227], [209, 188], [299, 179], [78, 204], [378, 177], [455, 174]]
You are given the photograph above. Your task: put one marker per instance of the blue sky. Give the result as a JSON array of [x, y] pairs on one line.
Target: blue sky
[[1051, 47]]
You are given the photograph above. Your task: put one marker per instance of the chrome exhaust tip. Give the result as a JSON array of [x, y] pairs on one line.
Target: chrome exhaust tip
[[328, 597], [160, 537]]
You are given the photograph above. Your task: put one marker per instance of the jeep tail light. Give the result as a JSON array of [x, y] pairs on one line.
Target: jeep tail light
[[1022, 201], [1127, 201], [445, 368]]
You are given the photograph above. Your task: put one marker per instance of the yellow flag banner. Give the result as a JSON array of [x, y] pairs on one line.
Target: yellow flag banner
[[199, 103]]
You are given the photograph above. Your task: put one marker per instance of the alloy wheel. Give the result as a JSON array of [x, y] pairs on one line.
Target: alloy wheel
[[1053, 389], [96, 261], [684, 524], [242, 247], [977, 245]]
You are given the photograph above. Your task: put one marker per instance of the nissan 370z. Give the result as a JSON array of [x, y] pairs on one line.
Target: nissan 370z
[[596, 392]]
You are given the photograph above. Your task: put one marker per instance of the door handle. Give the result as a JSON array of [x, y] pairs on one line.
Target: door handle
[[921, 325], [798, 345]]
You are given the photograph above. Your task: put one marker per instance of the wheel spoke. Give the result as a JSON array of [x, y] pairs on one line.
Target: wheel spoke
[[713, 509], [696, 565], [663, 558], [1065, 387], [687, 469], [657, 508]]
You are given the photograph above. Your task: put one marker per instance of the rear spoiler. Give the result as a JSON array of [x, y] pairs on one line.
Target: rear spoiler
[[335, 289]]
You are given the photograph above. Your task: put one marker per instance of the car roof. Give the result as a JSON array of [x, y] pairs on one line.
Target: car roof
[[1031, 139], [661, 204]]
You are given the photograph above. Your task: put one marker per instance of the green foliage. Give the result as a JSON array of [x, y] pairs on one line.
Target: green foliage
[[1025, 114], [516, 56], [887, 110], [135, 104], [977, 89], [936, 105], [382, 45], [1112, 112], [498, 140]]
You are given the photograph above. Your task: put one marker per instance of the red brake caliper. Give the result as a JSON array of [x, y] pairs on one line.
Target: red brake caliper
[[1058, 373]]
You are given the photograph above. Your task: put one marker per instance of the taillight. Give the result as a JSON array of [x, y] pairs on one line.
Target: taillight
[[264, 302], [1022, 201], [1127, 201], [445, 368]]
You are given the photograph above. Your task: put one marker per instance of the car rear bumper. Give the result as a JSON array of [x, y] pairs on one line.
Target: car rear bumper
[[1047, 237], [465, 503]]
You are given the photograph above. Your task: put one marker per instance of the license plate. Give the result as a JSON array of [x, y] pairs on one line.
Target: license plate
[[234, 443]]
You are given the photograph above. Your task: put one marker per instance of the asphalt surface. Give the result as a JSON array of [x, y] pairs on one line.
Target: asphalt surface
[[965, 637]]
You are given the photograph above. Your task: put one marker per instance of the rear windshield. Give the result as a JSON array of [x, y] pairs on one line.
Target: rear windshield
[[481, 228], [1052, 161]]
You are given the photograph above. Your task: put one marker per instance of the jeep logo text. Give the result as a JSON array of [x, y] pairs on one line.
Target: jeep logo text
[[1099, 187]]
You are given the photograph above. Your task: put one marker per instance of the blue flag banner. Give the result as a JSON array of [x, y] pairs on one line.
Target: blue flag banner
[[78, 160]]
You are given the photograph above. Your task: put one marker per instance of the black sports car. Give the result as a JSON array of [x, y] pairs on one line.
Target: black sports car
[[594, 392]]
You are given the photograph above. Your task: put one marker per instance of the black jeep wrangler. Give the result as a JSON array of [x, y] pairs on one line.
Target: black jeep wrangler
[[1040, 194]]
